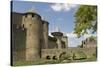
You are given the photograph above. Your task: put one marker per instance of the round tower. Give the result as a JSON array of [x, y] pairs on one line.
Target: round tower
[[58, 35], [32, 22], [45, 33]]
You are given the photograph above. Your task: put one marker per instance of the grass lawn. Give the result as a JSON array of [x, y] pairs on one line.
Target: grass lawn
[[42, 61]]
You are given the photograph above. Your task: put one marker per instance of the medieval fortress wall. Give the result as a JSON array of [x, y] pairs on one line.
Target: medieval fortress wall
[[30, 39], [51, 53]]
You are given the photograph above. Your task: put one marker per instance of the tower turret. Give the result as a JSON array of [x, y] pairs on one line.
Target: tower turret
[[45, 33], [58, 35], [32, 22]]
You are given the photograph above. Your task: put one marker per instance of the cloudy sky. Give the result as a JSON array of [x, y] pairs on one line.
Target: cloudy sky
[[57, 14]]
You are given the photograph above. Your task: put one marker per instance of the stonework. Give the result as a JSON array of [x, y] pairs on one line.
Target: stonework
[[33, 25], [30, 39]]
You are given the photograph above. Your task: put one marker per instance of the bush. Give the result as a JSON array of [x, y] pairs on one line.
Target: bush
[[79, 56]]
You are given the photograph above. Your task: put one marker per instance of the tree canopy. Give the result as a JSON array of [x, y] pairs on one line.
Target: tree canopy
[[85, 19]]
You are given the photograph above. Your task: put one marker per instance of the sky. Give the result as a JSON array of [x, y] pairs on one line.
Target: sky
[[59, 15]]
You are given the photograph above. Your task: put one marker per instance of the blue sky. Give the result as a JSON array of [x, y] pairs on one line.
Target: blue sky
[[64, 19], [58, 15]]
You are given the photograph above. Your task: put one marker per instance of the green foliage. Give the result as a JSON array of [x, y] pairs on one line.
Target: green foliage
[[79, 56], [92, 38], [36, 62], [85, 19], [65, 56]]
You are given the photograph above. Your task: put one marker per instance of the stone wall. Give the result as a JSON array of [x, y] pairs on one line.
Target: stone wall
[[52, 43], [89, 52], [16, 18], [45, 33], [65, 39], [29, 36], [18, 37], [18, 44]]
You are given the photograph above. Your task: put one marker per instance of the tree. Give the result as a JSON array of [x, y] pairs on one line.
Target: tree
[[93, 38], [85, 19]]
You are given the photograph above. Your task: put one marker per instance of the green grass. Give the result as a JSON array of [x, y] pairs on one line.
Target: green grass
[[37, 62], [42, 61]]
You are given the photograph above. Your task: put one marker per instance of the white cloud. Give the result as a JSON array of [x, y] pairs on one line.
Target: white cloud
[[72, 35], [89, 35], [74, 41], [62, 7]]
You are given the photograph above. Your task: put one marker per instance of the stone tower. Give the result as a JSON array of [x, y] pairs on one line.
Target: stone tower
[[32, 22], [65, 39], [45, 33], [58, 35]]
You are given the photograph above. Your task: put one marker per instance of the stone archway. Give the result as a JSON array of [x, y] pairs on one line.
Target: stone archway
[[62, 56], [54, 57], [48, 57]]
